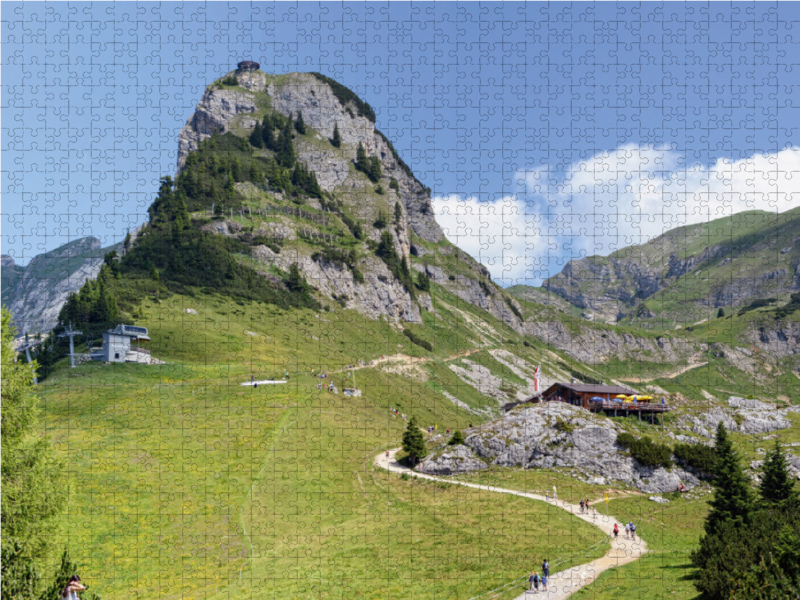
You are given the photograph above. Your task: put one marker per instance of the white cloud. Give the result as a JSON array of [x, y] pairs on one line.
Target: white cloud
[[609, 201], [499, 234]]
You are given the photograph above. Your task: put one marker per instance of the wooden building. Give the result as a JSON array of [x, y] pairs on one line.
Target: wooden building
[[580, 394], [603, 398]]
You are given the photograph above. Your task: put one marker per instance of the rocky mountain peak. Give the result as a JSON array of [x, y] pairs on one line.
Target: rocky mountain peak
[[325, 105], [35, 293]]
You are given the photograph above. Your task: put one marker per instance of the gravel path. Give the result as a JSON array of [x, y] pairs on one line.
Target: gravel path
[[565, 583]]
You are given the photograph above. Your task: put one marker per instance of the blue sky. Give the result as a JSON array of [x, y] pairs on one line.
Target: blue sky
[[546, 131]]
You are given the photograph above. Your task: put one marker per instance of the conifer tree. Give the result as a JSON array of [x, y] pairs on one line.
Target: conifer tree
[[374, 168], [732, 497], [361, 157], [299, 124], [398, 213], [777, 487], [414, 442], [285, 151], [266, 133], [257, 136], [458, 438], [336, 140]]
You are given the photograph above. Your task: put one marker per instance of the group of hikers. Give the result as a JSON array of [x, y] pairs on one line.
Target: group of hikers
[[585, 508], [535, 579], [630, 530], [397, 413]]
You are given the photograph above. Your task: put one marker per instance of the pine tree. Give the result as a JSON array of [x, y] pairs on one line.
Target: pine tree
[[423, 282], [777, 487], [267, 134], [381, 221], [458, 438], [34, 489], [361, 157], [336, 140], [374, 168], [295, 282], [720, 313], [414, 442], [257, 137], [299, 124], [398, 213], [732, 497], [285, 152]]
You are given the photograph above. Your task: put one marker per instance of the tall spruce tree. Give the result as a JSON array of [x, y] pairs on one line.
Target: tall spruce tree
[[414, 442], [777, 487], [361, 158], [299, 124], [733, 500], [374, 172], [267, 134], [257, 137], [336, 140], [34, 488]]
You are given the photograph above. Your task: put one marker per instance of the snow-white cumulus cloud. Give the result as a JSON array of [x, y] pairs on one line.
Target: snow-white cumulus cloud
[[608, 201]]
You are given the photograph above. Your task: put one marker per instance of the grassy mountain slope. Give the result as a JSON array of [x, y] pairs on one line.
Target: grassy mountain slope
[[689, 273], [185, 478]]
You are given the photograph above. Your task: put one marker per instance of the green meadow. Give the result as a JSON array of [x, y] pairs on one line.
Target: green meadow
[[186, 484]]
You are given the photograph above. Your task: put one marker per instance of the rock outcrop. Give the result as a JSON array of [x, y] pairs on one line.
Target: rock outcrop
[[34, 294], [452, 460], [380, 294], [560, 435], [592, 345], [743, 416]]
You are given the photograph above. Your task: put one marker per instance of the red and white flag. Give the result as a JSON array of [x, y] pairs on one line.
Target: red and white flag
[[536, 375]]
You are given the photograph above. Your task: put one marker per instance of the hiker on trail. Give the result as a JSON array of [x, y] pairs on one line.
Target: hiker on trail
[[616, 530], [555, 493], [544, 582], [581, 506], [627, 530], [387, 454], [534, 581], [545, 572], [587, 505], [252, 378], [594, 513], [633, 531], [70, 591]]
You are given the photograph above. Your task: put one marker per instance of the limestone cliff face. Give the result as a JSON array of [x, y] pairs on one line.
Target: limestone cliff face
[[594, 346], [35, 294], [225, 108], [222, 109]]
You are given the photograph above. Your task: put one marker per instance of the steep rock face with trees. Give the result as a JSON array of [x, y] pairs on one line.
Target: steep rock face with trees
[[688, 273], [338, 229], [35, 293]]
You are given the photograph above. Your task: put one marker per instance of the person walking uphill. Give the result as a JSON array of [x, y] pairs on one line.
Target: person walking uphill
[[534, 581], [545, 573], [70, 591]]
